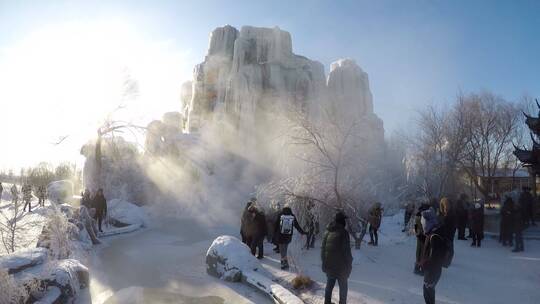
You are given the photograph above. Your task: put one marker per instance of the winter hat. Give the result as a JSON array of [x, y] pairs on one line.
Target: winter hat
[[340, 218], [287, 211], [429, 220]]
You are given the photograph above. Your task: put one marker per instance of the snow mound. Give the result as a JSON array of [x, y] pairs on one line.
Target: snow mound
[[21, 260], [127, 212], [228, 257], [60, 191]]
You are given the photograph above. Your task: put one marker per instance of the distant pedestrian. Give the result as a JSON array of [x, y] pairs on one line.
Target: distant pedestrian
[[433, 253], [420, 238], [312, 226], [100, 204], [27, 197], [462, 216], [375, 218], [409, 211], [526, 200], [477, 225], [42, 195], [14, 194], [336, 258], [285, 223], [1, 190], [86, 199], [518, 225], [506, 222]]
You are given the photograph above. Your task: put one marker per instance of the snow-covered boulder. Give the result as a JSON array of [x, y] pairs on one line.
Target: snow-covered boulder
[[60, 191], [126, 212], [230, 259], [21, 260], [68, 275]]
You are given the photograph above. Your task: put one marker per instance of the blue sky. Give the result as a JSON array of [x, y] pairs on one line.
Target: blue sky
[[415, 52]]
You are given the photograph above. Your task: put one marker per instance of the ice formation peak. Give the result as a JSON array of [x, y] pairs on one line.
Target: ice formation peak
[[247, 72]]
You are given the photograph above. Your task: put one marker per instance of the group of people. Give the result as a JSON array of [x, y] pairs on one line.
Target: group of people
[[515, 217], [97, 204], [26, 191], [336, 253]]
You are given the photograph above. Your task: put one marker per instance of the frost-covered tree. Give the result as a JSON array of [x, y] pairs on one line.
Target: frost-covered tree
[[334, 163], [14, 226]]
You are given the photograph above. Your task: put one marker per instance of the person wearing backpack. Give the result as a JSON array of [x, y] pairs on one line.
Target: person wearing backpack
[[433, 254], [336, 258], [285, 223]]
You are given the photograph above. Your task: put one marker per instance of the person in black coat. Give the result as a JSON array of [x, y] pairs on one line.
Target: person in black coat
[[518, 225], [433, 254], [254, 230], [477, 225], [284, 225], [336, 258], [420, 238], [242, 219], [526, 200], [506, 222], [100, 204], [462, 216]]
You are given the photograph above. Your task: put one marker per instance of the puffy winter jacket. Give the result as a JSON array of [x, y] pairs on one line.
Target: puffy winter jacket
[[336, 251], [280, 238]]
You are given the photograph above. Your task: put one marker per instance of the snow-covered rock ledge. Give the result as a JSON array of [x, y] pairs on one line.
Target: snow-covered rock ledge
[[49, 280], [230, 259], [123, 217]]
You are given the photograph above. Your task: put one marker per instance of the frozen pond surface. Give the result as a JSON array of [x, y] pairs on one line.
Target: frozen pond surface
[[164, 263]]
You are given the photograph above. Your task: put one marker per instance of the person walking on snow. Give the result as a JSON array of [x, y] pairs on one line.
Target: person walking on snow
[[409, 211], [284, 225], [27, 197], [375, 217], [432, 254], [477, 225], [336, 258], [312, 226], [14, 194], [420, 238], [41, 194], [100, 204], [526, 200], [462, 216], [518, 225], [1, 190], [506, 222]]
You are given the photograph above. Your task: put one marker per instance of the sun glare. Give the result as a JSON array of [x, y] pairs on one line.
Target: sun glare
[[64, 79]]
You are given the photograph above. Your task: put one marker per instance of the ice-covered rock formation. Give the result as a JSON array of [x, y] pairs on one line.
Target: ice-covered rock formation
[[250, 72], [350, 98]]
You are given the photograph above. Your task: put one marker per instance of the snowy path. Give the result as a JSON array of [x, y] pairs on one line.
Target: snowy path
[[164, 262], [491, 274]]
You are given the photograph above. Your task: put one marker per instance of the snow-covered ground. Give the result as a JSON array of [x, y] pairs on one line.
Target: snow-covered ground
[[166, 260], [491, 274], [30, 223]]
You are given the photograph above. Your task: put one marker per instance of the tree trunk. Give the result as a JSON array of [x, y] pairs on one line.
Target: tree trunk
[[97, 177]]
